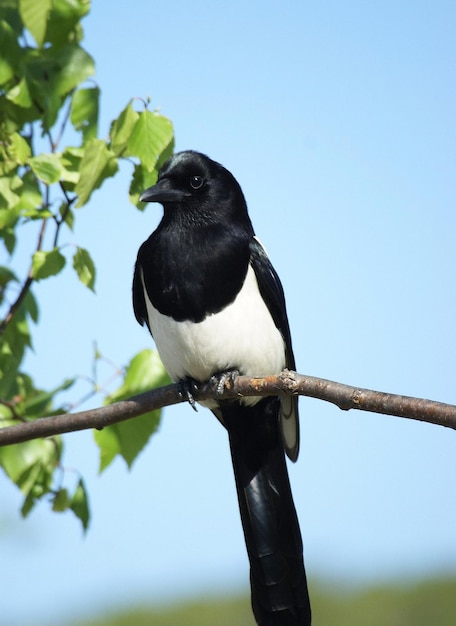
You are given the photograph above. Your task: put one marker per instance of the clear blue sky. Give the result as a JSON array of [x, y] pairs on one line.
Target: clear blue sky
[[338, 119]]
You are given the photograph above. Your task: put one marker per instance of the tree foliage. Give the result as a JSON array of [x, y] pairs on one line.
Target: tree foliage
[[51, 162]]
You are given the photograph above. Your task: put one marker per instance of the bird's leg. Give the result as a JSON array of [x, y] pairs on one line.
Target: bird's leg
[[188, 387], [222, 378]]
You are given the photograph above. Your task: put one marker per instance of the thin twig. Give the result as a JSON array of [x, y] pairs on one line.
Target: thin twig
[[55, 144], [27, 283], [61, 220], [344, 396], [68, 201]]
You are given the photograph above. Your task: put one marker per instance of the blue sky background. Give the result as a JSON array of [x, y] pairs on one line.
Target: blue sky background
[[338, 121]]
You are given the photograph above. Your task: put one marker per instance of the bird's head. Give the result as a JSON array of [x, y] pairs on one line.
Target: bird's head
[[193, 184]]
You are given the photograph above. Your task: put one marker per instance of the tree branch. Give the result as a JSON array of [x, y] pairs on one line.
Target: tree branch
[[343, 396]]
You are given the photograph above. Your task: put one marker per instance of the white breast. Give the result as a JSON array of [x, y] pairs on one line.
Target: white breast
[[243, 336]]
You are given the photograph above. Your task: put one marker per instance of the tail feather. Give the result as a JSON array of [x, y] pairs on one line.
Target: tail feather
[[271, 527]]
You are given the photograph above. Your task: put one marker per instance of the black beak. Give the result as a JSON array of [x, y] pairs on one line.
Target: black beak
[[161, 192]]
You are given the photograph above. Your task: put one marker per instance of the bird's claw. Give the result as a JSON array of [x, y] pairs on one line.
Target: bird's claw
[[189, 386], [220, 380]]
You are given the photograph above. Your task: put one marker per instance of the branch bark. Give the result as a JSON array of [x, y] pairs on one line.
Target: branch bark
[[344, 396]]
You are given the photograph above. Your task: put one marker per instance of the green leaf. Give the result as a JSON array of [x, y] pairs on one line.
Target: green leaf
[[9, 11], [30, 306], [19, 148], [80, 504], [84, 111], [121, 129], [141, 180], [108, 441], [145, 371], [34, 476], [47, 167], [6, 277], [67, 215], [61, 501], [20, 95], [30, 195], [10, 49], [8, 163], [85, 268], [131, 437], [152, 134], [34, 14], [37, 214], [30, 466], [63, 22], [128, 438], [8, 200], [71, 161], [40, 69], [51, 75], [13, 343], [40, 403], [97, 164], [6, 71], [75, 66], [18, 458], [45, 264], [9, 238]]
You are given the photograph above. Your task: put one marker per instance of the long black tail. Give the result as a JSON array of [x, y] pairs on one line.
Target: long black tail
[[271, 527]]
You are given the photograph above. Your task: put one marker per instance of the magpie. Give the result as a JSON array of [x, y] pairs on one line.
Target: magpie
[[214, 305]]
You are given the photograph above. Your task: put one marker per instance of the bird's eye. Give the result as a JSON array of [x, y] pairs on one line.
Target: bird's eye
[[196, 182]]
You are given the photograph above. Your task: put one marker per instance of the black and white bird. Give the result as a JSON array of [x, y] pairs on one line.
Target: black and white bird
[[214, 304]]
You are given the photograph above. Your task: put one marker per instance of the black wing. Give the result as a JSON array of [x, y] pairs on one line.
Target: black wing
[[272, 293], [139, 301]]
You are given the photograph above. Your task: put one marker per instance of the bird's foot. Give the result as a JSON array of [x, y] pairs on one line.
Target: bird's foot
[[220, 380], [188, 387]]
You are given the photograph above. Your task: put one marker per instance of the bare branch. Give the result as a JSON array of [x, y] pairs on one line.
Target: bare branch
[[347, 397], [94, 418], [343, 396]]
